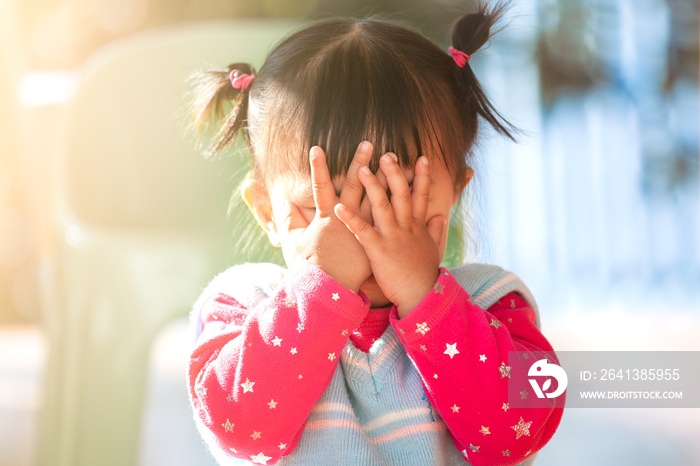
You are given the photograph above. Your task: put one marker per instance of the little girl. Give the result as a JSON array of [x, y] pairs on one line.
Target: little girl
[[364, 351]]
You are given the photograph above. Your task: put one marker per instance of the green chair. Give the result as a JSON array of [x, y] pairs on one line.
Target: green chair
[[139, 226]]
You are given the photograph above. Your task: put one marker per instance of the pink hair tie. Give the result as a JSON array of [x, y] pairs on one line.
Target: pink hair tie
[[241, 81], [459, 57]]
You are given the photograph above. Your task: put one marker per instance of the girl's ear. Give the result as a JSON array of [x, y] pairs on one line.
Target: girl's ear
[[459, 187], [258, 201]]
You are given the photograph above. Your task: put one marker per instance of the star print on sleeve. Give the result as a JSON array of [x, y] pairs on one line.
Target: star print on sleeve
[[260, 458], [505, 370], [422, 328], [451, 350], [521, 428], [247, 386], [471, 345], [228, 426], [246, 357]]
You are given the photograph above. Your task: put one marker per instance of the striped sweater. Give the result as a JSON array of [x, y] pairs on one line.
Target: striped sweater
[[290, 366]]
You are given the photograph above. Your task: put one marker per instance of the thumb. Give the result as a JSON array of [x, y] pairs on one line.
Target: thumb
[[435, 227]]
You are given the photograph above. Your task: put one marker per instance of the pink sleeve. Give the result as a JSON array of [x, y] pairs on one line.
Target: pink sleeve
[[255, 374], [461, 352]]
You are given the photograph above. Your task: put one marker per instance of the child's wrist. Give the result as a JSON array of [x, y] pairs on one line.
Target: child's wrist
[[346, 280], [417, 294]]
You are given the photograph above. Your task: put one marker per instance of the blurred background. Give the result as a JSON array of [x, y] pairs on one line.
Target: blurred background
[[596, 208]]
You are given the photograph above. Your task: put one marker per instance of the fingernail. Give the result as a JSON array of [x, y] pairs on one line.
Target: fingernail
[[365, 169], [388, 156], [424, 160], [365, 146]]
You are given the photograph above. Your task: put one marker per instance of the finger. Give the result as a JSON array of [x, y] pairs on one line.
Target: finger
[[321, 185], [362, 230], [382, 211], [436, 226], [293, 217], [400, 192], [421, 188], [381, 178], [351, 194]]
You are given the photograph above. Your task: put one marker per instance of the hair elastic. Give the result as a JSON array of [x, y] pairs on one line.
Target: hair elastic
[[241, 81], [459, 57]]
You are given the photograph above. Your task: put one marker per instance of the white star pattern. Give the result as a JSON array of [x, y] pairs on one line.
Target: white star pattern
[[454, 408], [495, 323], [521, 428], [451, 350], [277, 341], [335, 297], [247, 386], [482, 357], [260, 458], [473, 448], [484, 430], [438, 288], [255, 435], [435, 376], [272, 404], [233, 450], [423, 347], [228, 426], [300, 377], [523, 395], [422, 328], [293, 351], [505, 370], [282, 446], [505, 407], [300, 327], [344, 332], [331, 356]]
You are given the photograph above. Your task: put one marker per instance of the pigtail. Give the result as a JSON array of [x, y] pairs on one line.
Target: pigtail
[[469, 34], [222, 95]]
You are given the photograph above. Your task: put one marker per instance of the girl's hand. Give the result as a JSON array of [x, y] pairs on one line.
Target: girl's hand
[[402, 247], [325, 241]]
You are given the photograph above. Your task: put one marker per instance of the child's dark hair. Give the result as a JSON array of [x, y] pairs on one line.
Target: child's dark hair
[[338, 82]]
